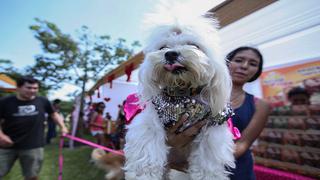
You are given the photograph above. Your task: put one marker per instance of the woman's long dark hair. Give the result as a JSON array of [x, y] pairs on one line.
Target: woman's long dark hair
[[231, 55]]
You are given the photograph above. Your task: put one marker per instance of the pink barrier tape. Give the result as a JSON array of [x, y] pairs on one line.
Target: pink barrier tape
[[60, 158], [84, 142], [93, 144], [265, 173]]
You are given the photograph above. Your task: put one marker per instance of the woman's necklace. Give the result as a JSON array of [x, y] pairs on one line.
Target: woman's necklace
[[236, 99]]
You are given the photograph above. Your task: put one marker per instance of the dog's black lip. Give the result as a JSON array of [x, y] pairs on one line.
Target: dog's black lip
[[179, 70]]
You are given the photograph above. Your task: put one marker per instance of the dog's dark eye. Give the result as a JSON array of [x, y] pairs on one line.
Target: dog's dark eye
[[163, 47], [194, 45]]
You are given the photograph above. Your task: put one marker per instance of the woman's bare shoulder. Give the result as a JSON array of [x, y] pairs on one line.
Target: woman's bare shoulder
[[262, 105]]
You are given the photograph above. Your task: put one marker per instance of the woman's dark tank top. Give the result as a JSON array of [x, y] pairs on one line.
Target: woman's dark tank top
[[241, 119]]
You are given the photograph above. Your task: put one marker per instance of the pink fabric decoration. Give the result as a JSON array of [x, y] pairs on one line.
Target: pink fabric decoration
[[234, 130], [265, 173], [132, 107]]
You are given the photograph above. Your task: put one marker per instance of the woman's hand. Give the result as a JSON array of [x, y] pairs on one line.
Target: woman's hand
[[64, 130], [180, 140], [180, 143]]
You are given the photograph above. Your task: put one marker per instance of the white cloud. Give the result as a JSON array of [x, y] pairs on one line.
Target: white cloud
[[63, 92]]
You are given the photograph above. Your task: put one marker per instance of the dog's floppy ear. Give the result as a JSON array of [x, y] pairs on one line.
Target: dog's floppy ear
[[218, 91], [147, 88]]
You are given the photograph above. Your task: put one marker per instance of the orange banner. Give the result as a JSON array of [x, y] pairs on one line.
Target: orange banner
[[277, 82]]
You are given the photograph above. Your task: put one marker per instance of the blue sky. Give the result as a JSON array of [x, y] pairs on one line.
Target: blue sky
[[117, 18]]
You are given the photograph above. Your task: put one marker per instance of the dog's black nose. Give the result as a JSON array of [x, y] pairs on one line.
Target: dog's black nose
[[171, 56]]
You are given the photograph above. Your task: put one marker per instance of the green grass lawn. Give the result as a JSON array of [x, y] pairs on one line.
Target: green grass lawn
[[76, 164]]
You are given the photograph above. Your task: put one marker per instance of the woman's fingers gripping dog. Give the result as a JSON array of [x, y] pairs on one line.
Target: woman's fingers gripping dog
[[194, 130], [175, 127], [178, 140]]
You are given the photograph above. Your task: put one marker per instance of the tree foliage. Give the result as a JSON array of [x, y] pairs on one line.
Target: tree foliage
[[66, 107], [75, 60], [7, 68]]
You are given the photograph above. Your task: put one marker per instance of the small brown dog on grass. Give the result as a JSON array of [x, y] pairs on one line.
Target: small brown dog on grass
[[111, 163]]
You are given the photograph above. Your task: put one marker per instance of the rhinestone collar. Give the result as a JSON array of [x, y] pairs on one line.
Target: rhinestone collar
[[171, 108], [176, 91]]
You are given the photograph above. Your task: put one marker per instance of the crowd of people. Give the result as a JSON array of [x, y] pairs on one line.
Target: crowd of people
[[22, 132], [28, 122], [107, 131]]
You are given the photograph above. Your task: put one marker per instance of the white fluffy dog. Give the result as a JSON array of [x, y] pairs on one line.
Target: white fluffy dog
[[182, 63]]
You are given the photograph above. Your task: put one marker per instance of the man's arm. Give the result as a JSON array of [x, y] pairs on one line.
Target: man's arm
[[58, 119], [5, 141]]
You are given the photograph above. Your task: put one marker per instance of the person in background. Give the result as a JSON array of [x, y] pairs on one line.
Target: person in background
[[88, 109], [298, 96], [22, 128], [121, 121], [111, 133], [52, 132], [251, 114], [96, 123], [108, 117]]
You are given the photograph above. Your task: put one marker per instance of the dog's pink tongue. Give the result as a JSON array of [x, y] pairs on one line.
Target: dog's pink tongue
[[171, 67]]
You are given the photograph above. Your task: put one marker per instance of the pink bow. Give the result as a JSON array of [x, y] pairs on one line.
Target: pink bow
[[234, 130], [132, 107]]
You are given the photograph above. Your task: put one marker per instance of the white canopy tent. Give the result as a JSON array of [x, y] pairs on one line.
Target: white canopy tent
[[6, 83], [286, 32]]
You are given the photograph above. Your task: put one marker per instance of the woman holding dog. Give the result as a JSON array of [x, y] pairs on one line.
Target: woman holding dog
[[245, 65]]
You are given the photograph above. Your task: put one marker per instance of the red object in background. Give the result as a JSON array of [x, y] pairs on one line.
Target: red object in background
[[312, 85], [310, 159], [98, 95], [291, 156], [264, 173], [128, 70], [107, 99], [132, 107], [297, 122], [110, 79], [276, 101]]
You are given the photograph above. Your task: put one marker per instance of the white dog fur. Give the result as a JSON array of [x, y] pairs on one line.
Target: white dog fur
[[195, 37]]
